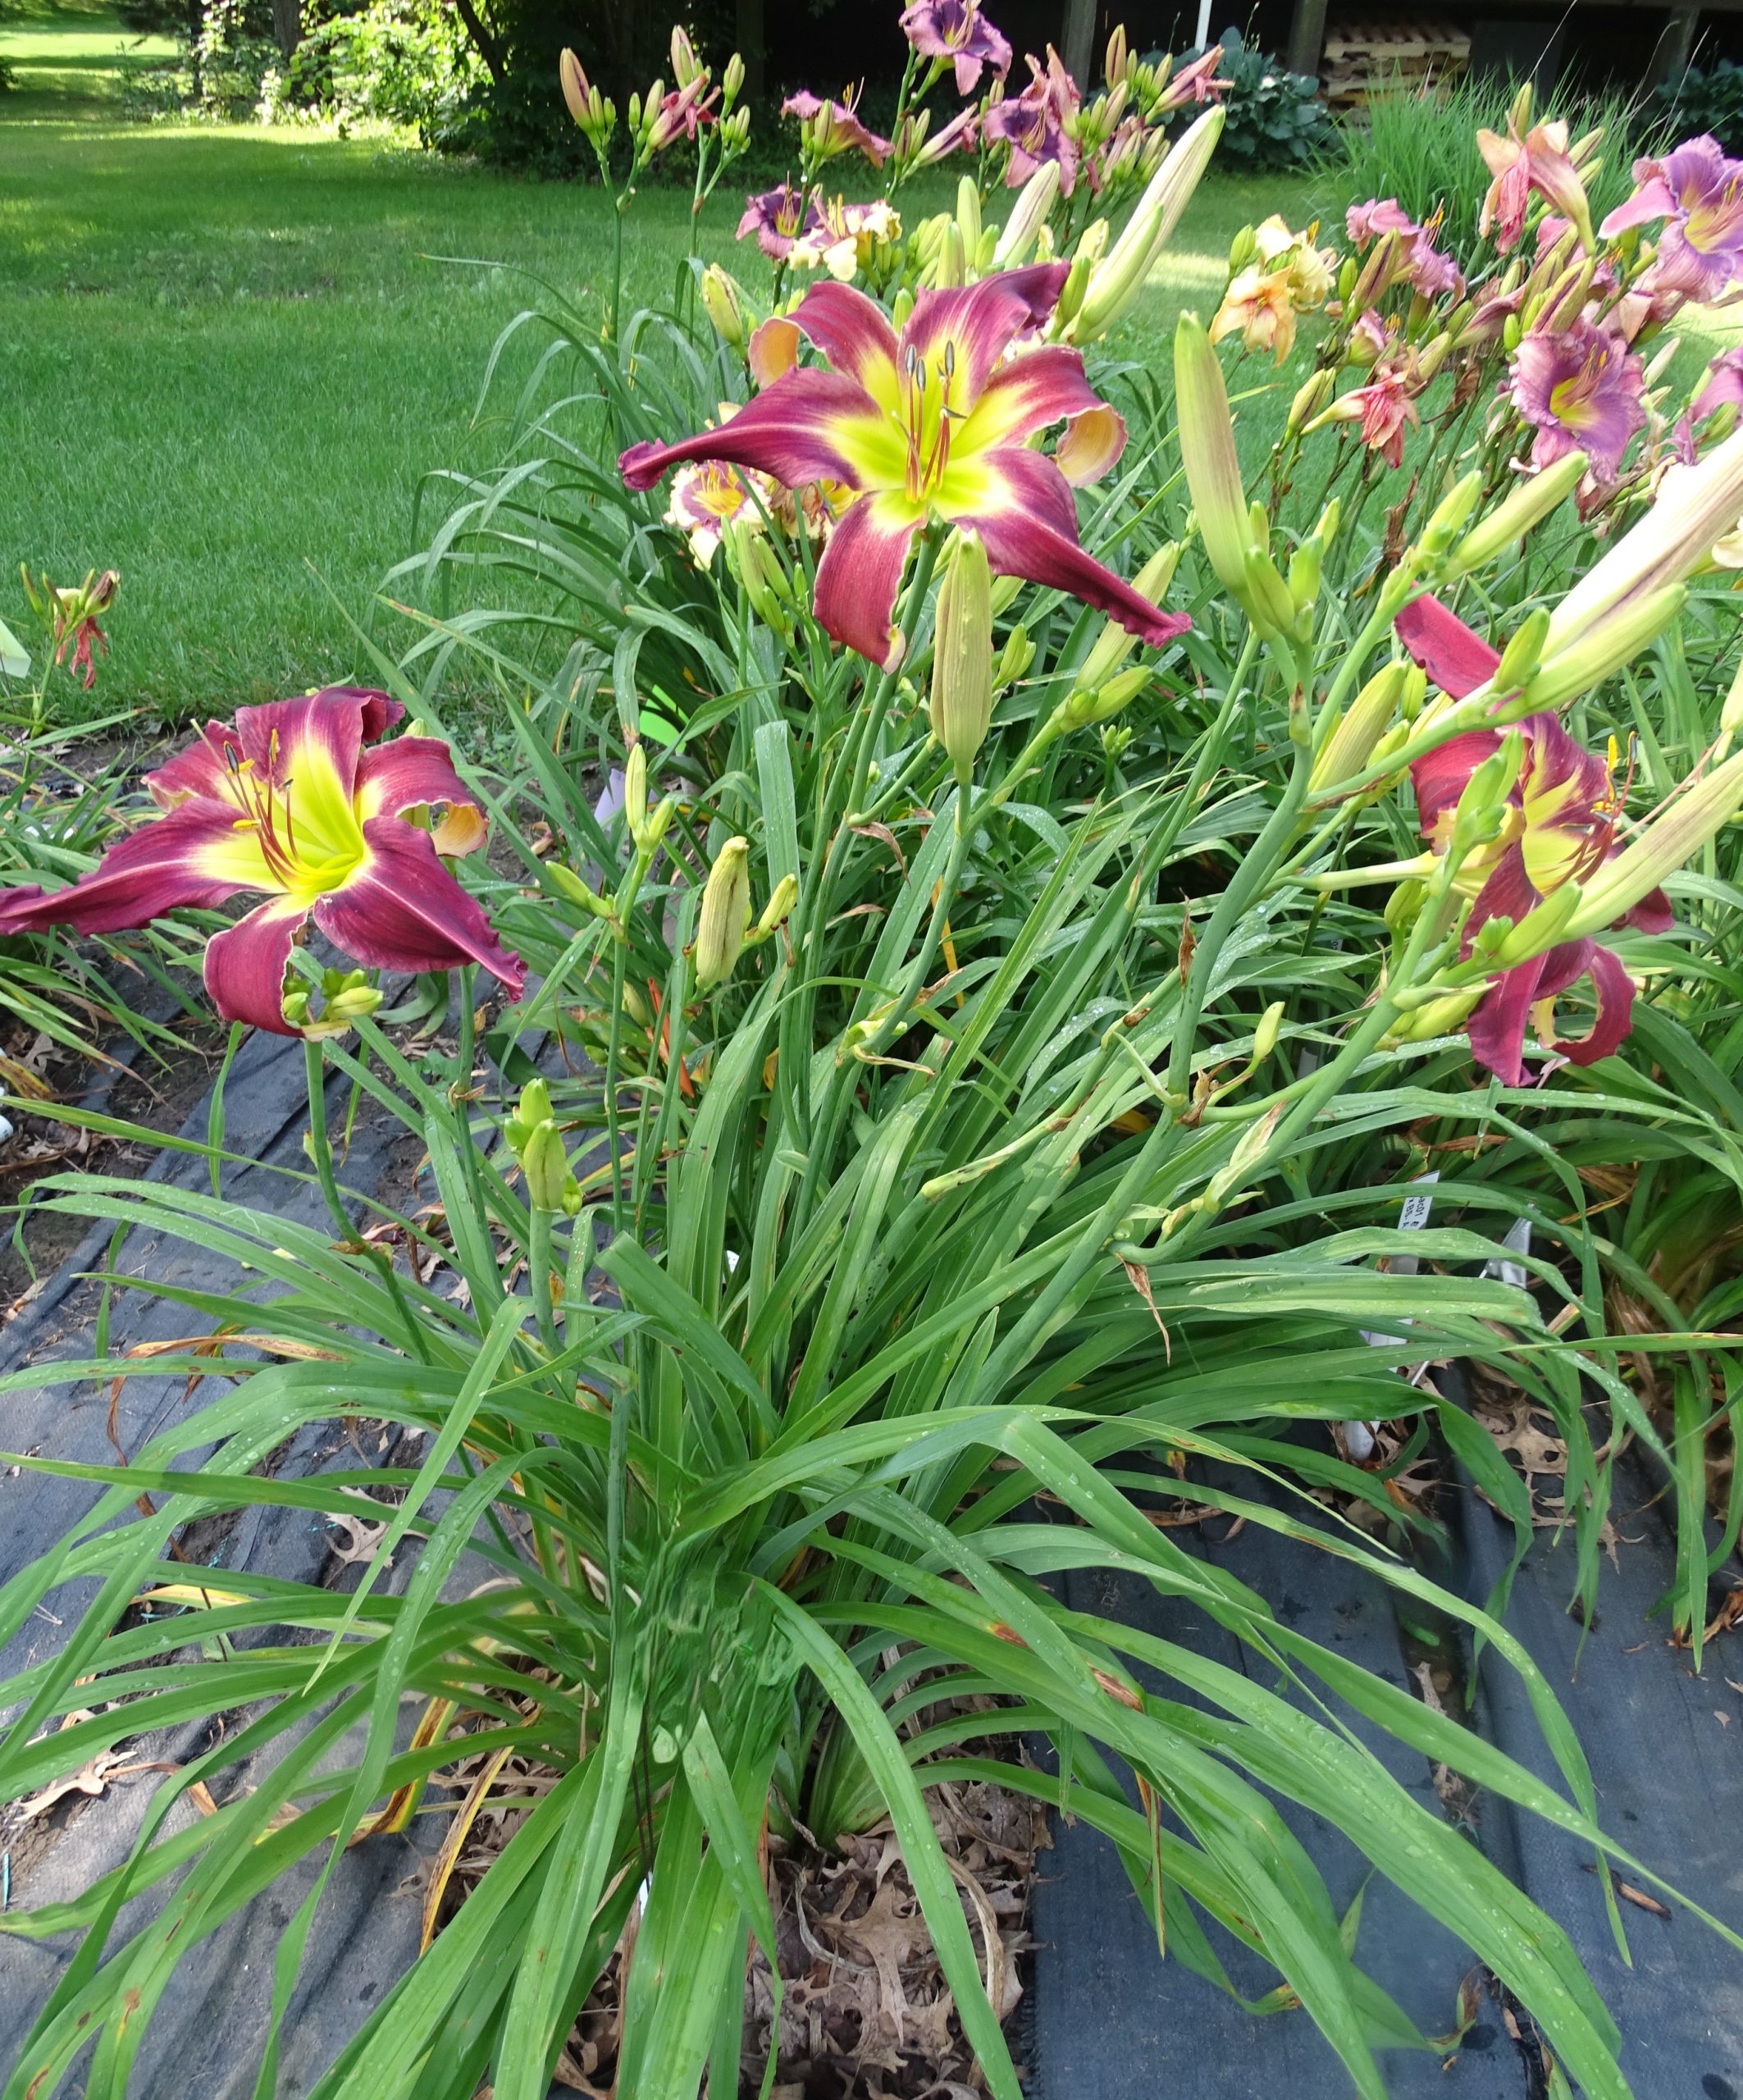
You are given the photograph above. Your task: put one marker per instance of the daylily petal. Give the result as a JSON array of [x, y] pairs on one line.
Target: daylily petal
[[1030, 530], [412, 773], [200, 769], [1031, 392], [1508, 893], [861, 574], [245, 965], [1652, 914], [1440, 776], [983, 320], [1456, 659], [1613, 991], [773, 348], [195, 856], [802, 429], [1651, 201], [403, 909], [308, 750], [1497, 1026], [853, 334], [1091, 444]]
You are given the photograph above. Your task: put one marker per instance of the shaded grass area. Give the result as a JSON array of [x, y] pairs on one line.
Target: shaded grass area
[[228, 356]]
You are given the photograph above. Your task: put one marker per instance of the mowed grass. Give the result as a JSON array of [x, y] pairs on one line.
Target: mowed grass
[[230, 355]]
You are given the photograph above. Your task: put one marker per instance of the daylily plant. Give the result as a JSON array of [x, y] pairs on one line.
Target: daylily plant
[[1559, 828], [1699, 192], [289, 801], [956, 32], [937, 420]]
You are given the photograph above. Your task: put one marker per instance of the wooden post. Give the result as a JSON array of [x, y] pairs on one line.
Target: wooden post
[[1675, 48], [1307, 36], [1077, 40]]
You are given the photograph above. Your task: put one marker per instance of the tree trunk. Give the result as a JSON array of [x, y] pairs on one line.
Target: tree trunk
[[1307, 36], [750, 47], [1077, 40], [483, 43], [287, 26]]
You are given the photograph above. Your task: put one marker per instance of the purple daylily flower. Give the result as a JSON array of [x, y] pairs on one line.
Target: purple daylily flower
[[1699, 192], [777, 218], [957, 31], [835, 127], [1579, 389], [1036, 124]]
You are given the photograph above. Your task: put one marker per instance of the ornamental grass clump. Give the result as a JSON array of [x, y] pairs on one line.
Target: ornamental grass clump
[[997, 934]]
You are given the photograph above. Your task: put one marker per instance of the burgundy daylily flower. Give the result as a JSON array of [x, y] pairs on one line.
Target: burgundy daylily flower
[[938, 421], [288, 801], [683, 113], [1699, 192], [835, 127], [1538, 161], [1580, 389], [957, 31], [777, 218], [1560, 827], [1036, 124]]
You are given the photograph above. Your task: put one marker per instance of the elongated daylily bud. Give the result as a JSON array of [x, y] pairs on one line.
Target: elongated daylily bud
[[962, 655], [1034, 204], [1351, 744], [1311, 397], [533, 1108], [968, 214], [1696, 506], [1524, 652], [780, 904], [1213, 470], [1266, 596], [724, 304], [1269, 1028], [574, 87], [1014, 659], [1451, 514], [725, 915], [635, 789], [567, 883], [1615, 639], [1539, 930], [544, 1166], [951, 270], [1121, 274], [1730, 716], [1658, 849], [1524, 507], [1098, 705]]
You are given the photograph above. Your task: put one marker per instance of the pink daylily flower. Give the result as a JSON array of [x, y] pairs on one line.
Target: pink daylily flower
[[1416, 260], [1724, 383], [289, 801], [1581, 388], [835, 127], [957, 31], [683, 113], [1537, 162], [1385, 407], [1036, 124], [1698, 191], [938, 421], [778, 217], [1560, 827], [1378, 216]]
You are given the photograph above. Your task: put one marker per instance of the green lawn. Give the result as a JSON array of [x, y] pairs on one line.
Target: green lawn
[[229, 353]]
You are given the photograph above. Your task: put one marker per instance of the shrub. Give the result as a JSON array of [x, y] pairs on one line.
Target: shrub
[[1702, 99], [1275, 117], [406, 62]]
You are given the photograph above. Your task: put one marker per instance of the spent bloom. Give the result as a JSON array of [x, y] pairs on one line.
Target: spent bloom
[[72, 613], [1559, 826], [935, 421], [299, 801], [834, 127], [1385, 407], [1579, 387], [1698, 191], [1196, 83], [956, 30], [1523, 161], [1037, 124]]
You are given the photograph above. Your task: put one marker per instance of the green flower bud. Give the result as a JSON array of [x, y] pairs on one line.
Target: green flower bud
[[635, 789], [1265, 1035], [1350, 744], [568, 884], [1451, 513], [961, 701], [776, 911], [724, 304], [725, 915], [1019, 653], [1524, 651], [1524, 507], [544, 1166], [968, 214]]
